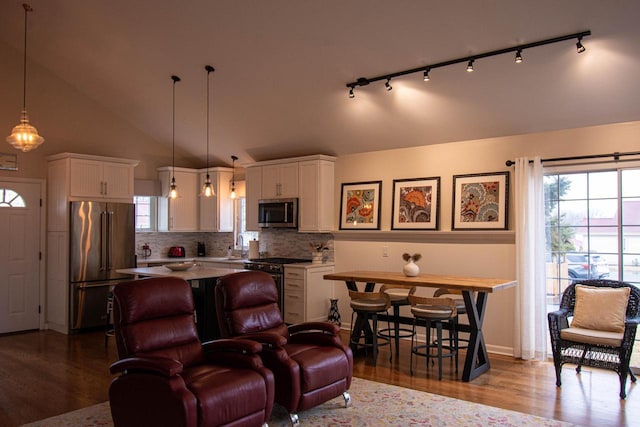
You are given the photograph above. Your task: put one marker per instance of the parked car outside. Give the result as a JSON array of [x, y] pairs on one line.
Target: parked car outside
[[580, 267]]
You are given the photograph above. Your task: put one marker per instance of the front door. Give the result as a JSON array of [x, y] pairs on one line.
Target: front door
[[19, 256]]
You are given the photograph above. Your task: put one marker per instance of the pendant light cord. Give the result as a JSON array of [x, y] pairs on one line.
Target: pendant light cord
[[173, 144], [209, 69], [27, 9]]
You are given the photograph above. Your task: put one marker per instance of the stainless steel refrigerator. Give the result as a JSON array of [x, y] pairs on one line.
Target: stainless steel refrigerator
[[102, 240]]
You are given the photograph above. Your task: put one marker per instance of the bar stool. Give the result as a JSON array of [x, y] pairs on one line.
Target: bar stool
[[399, 296], [365, 306], [456, 296], [434, 311]]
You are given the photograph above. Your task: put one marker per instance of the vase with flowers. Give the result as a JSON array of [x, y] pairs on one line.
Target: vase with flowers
[[411, 269]]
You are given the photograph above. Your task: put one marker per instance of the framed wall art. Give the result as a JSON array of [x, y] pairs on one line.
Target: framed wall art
[[360, 206], [480, 201], [416, 203]]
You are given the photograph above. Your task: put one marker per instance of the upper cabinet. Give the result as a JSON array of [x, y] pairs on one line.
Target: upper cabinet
[[72, 177], [181, 213], [191, 211], [316, 202], [216, 212], [280, 180], [308, 178]]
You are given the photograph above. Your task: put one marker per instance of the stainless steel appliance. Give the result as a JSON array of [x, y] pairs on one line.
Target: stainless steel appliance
[[275, 267], [102, 240], [278, 213]]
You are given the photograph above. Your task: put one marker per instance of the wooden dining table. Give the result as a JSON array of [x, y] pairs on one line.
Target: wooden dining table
[[475, 291]]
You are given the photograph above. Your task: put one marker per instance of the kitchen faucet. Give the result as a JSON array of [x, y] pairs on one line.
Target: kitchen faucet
[[241, 244]]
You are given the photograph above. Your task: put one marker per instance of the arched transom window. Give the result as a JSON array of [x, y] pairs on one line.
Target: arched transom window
[[10, 199]]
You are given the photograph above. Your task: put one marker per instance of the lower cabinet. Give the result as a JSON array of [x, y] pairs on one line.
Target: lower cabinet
[[306, 294]]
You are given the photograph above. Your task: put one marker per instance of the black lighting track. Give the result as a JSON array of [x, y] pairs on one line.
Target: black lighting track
[[363, 81]]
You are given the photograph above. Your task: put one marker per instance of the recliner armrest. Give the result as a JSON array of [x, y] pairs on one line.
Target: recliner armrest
[[159, 365], [331, 328], [233, 345], [265, 338]]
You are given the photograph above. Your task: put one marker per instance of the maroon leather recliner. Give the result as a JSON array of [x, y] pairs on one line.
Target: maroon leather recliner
[[167, 377], [308, 360]]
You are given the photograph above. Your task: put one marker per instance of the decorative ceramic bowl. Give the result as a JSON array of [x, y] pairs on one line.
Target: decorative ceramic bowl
[[179, 266]]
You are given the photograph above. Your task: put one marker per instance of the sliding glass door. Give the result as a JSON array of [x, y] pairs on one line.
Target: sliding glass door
[[592, 220]]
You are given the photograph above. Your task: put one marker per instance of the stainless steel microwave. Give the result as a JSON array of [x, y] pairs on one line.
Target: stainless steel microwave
[[278, 213]]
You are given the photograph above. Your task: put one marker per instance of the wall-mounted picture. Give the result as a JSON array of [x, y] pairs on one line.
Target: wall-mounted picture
[[360, 206], [415, 204], [480, 201]]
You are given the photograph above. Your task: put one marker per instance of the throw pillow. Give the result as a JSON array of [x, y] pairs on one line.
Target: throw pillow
[[602, 309]]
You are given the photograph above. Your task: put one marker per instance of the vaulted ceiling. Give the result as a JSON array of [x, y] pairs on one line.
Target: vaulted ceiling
[[282, 65]]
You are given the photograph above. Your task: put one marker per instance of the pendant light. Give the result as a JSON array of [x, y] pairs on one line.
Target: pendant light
[[25, 136], [173, 189], [207, 189], [233, 177]]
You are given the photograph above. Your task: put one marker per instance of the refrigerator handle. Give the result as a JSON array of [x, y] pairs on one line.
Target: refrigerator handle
[[110, 239], [103, 241]]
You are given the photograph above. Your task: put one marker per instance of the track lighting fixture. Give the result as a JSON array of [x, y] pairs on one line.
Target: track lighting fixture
[[207, 188], [470, 66], [173, 188], [425, 69], [233, 177], [519, 56]]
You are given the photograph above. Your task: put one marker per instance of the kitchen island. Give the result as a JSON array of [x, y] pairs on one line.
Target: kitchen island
[[203, 281]]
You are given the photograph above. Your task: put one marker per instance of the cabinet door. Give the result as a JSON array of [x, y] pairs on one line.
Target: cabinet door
[[208, 214], [85, 178], [316, 196], [253, 178], [270, 182], [225, 202], [289, 180], [118, 180], [280, 180], [183, 210]]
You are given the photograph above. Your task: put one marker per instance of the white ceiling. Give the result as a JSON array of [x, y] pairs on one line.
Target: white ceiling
[[282, 65]]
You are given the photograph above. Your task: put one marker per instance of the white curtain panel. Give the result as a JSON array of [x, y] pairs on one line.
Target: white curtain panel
[[530, 342]]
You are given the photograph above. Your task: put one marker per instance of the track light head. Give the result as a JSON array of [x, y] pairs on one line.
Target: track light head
[[470, 66], [519, 56], [388, 84], [579, 47], [426, 75], [351, 94]]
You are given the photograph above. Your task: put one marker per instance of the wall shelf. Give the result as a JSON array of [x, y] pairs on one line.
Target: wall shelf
[[455, 237]]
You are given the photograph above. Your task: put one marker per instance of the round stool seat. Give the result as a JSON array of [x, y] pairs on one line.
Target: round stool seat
[[432, 312], [370, 305]]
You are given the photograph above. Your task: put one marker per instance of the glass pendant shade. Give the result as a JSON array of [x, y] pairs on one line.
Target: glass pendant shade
[[25, 136], [173, 189], [207, 189]]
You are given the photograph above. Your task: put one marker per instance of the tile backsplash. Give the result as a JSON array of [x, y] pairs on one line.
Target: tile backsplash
[[275, 243]]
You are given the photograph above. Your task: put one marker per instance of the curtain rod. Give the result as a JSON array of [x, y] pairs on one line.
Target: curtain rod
[[616, 157]]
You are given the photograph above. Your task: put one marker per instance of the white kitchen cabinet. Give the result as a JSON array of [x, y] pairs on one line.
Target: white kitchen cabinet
[[253, 178], [181, 213], [314, 187], [216, 212], [280, 180], [316, 213], [73, 177], [306, 294], [95, 179]]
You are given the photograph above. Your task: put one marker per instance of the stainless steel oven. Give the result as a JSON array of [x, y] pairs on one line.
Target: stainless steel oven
[[275, 267]]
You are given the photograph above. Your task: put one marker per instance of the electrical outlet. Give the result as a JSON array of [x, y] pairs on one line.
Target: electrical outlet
[[385, 251]]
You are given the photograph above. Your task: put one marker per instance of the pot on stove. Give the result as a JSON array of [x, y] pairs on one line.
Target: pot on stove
[[176, 252]]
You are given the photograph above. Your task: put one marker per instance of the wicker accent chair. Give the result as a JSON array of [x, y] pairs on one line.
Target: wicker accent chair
[[584, 345]]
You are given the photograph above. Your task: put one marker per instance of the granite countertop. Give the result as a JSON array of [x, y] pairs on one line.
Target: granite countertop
[[227, 260], [194, 273]]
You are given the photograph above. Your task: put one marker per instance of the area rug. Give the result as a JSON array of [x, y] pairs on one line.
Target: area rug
[[372, 404]]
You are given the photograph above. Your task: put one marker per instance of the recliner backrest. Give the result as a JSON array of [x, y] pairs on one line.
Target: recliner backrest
[[154, 318], [247, 302]]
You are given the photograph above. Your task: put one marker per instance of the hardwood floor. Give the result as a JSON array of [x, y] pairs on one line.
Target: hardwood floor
[[46, 373]]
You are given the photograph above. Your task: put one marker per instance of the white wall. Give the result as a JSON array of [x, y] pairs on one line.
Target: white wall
[[452, 255]]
